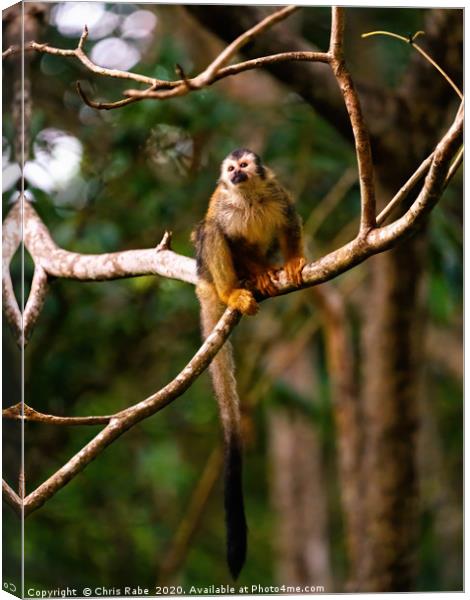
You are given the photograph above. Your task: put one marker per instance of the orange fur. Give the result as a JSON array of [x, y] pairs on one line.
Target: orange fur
[[242, 225]]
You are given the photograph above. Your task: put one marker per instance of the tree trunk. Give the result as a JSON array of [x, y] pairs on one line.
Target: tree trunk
[[390, 403], [297, 485]]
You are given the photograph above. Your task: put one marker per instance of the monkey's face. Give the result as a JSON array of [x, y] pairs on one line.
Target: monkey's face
[[242, 167]]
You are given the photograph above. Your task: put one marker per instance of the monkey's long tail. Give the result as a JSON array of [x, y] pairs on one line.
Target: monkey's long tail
[[222, 371]]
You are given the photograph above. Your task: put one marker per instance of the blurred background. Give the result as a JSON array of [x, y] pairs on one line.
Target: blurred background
[[351, 392]]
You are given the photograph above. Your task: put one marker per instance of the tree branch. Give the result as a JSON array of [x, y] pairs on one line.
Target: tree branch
[[361, 137], [182, 87], [431, 192], [314, 273], [180, 544], [161, 89], [129, 417], [53, 261], [402, 194], [224, 57], [11, 498], [57, 262], [215, 71], [80, 54], [29, 414]]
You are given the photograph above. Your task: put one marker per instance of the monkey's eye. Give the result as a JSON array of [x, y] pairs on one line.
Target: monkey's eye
[[243, 165], [230, 168]]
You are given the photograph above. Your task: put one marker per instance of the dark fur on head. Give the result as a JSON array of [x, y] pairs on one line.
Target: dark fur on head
[[240, 152]]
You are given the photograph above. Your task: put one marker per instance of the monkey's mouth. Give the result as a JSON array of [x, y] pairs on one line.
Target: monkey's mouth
[[239, 177]]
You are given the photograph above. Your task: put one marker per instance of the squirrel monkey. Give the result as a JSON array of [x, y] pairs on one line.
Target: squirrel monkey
[[250, 217]]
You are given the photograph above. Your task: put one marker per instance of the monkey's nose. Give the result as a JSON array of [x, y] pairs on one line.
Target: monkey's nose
[[239, 176]]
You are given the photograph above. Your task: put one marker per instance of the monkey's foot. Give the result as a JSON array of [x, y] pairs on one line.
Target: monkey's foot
[[293, 269], [243, 301], [264, 283]]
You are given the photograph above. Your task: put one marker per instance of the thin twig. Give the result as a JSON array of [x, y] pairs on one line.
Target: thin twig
[[191, 519], [412, 43], [103, 105], [454, 167], [9, 50], [405, 190], [430, 193], [83, 38], [79, 54], [229, 71], [29, 414], [22, 484]]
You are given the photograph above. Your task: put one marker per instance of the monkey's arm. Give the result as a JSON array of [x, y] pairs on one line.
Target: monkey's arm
[[291, 244], [218, 259]]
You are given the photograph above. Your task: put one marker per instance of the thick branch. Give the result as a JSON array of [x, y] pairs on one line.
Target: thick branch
[[10, 306], [99, 267], [60, 263]]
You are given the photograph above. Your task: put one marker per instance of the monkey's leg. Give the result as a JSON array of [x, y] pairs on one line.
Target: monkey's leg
[[222, 370], [293, 268], [261, 276], [218, 258], [291, 244]]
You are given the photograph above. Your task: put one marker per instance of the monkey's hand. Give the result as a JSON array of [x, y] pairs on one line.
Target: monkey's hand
[[243, 301], [293, 269], [264, 283]]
